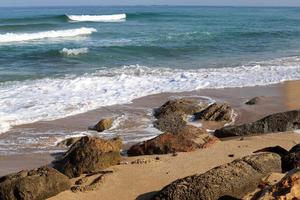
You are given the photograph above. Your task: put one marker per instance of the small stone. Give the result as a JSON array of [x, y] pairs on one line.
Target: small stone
[[231, 155], [103, 125]]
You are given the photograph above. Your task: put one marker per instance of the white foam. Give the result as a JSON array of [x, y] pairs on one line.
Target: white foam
[[98, 18], [47, 99], [74, 52], [20, 37]]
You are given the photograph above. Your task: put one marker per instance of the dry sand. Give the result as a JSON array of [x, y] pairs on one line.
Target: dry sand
[[141, 181]]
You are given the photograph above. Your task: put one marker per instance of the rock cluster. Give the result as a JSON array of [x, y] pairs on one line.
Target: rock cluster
[[279, 122], [233, 180], [36, 184], [89, 154]]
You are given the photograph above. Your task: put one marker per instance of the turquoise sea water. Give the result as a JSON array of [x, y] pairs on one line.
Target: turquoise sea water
[[53, 66]]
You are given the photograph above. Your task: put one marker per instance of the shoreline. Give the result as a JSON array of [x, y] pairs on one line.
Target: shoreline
[[277, 98]]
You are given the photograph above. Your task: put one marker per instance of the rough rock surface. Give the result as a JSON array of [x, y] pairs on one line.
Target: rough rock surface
[[215, 112], [235, 179], [89, 154], [287, 188], [37, 184], [279, 122], [171, 122], [103, 125], [185, 106], [187, 139]]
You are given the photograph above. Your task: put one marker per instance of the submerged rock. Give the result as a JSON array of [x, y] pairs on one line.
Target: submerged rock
[[103, 125], [188, 138], [232, 180], [279, 122], [68, 142], [37, 184], [185, 106], [254, 101], [215, 112], [89, 154], [287, 188]]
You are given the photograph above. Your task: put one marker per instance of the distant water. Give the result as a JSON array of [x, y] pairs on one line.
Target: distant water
[[56, 62]]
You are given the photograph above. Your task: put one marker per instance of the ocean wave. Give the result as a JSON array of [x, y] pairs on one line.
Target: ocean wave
[[74, 52], [47, 99], [98, 18], [20, 37]]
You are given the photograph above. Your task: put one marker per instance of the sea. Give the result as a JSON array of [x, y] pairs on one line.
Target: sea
[[61, 61]]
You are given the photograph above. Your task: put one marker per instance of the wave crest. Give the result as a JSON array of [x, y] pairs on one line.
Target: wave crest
[[98, 18], [20, 37], [74, 52]]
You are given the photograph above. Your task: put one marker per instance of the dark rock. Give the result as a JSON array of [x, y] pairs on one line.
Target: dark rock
[[254, 101], [184, 106], [37, 184], [276, 149], [89, 154], [103, 125], [68, 142], [171, 122], [215, 112], [279, 122], [187, 139], [234, 180], [292, 159]]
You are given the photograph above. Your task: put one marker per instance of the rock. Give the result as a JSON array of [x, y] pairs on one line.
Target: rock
[[292, 159], [215, 112], [68, 142], [276, 149], [279, 122], [187, 139], [287, 188], [233, 180], [103, 125], [89, 154], [36, 184], [184, 106], [171, 122], [254, 101]]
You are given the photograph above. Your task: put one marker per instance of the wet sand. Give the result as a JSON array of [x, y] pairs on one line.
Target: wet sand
[[276, 98]]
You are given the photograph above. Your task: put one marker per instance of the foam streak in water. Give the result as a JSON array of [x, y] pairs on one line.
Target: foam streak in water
[[98, 18], [46, 99], [20, 37], [74, 52]]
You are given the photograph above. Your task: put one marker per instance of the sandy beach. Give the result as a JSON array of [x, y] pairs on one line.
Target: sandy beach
[[141, 181]]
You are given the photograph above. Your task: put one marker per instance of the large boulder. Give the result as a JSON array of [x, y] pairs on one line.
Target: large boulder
[[89, 154], [292, 159], [287, 188], [171, 122], [37, 184], [279, 122], [103, 125], [215, 112], [188, 138], [185, 105], [233, 180]]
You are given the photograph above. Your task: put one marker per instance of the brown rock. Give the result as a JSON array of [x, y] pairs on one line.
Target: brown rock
[[37, 184], [187, 139], [185, 106], [292, 159], [287, 188], [232, 180], [103, 125], [89, 154], [215, 112], [279, 122], [171, 122]]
